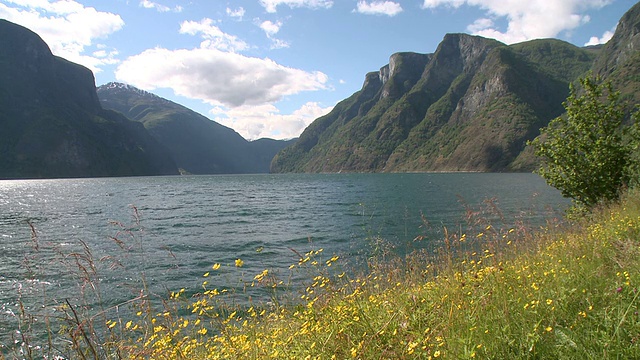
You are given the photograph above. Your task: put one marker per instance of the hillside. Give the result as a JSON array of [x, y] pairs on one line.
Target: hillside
[[470, 106], [52, 124], [619, 59], [197, 144]]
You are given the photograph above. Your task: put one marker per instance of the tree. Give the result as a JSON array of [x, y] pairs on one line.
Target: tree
[[584, 153]]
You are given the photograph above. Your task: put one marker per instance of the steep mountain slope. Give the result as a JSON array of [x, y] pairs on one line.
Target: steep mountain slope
[[470, 106], [197, 144], [619, 59], [52, 124]]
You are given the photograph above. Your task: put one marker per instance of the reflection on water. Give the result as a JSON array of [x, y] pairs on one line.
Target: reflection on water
[[188, 223]]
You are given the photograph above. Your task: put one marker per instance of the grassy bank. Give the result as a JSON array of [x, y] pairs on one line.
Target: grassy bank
[[567, 292]]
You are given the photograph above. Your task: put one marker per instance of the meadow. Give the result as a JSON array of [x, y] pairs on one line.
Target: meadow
[[567, 290]]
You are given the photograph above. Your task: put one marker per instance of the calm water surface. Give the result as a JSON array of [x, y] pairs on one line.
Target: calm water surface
[[192, 222]]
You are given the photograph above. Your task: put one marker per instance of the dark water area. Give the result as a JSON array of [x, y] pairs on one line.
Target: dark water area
[[188, 223]]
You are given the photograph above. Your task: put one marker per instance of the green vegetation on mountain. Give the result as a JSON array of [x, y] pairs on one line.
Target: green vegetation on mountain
[[197, 144], [471, 106], [52, 124]]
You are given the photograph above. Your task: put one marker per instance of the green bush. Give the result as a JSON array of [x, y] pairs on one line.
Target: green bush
[[586, 153]]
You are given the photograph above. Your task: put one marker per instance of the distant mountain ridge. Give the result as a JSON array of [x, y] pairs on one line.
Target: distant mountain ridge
[[470, 106], [197, 144], [52, 124]]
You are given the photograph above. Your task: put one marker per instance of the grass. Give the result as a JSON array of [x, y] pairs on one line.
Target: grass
[[563, 292]]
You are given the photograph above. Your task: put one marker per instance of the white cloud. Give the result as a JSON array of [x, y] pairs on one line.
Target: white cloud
[[271, 5], [68, 27], [159, 7], [151, 5], [212, 36], [530, 19], [436, 3], [279, 44], [237, 13], [389, 8], [216, 77], [270, 28], [594, 40], [265, 121], [480, 25]]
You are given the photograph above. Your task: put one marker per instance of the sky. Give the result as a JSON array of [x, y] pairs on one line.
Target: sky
[[268, 68]]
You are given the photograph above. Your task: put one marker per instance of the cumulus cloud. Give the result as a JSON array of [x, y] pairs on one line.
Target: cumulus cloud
[[68, 27], [217, 77], [271, 5], [594, 40], [159, 7], [265, 121], [270, 29], [236, 13], [531, 19], [213, 37], [388, 8]]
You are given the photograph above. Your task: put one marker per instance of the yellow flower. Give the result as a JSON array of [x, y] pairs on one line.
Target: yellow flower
[[216, 266], [239, 263], [548, 329], [436, 354]]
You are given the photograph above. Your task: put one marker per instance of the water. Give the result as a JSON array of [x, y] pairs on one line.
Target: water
[[191, 222]]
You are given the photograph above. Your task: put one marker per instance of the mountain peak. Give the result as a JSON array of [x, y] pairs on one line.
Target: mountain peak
[[118, 86]]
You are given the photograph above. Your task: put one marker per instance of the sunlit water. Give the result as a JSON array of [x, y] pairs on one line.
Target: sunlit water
[[191, 222]]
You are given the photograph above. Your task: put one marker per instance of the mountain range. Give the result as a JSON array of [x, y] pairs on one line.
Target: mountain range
[[54, 123], [472, 105], [197, 144]]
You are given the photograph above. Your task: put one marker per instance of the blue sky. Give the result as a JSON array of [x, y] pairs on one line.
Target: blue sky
[[268, 68]]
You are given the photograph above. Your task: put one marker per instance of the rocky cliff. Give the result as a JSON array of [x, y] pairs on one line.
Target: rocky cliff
[[469, 106], [52, 124]]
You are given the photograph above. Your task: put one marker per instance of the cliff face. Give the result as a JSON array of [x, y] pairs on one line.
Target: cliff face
[[52, 124], [470, 106], [619, 59]]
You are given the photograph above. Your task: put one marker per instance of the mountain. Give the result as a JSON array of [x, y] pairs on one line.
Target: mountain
[[197, 144], [619, 60], [470, 106], [52, 124]]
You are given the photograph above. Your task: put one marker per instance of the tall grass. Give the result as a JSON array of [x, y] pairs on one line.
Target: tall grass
[[561, 292]]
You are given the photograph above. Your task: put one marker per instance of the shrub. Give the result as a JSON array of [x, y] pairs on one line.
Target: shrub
[[584, 153]]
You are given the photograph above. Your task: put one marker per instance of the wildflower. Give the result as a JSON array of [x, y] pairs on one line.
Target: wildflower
[[261, 276], [411, 347], [548, 329], [216, 266], [239, 263]]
